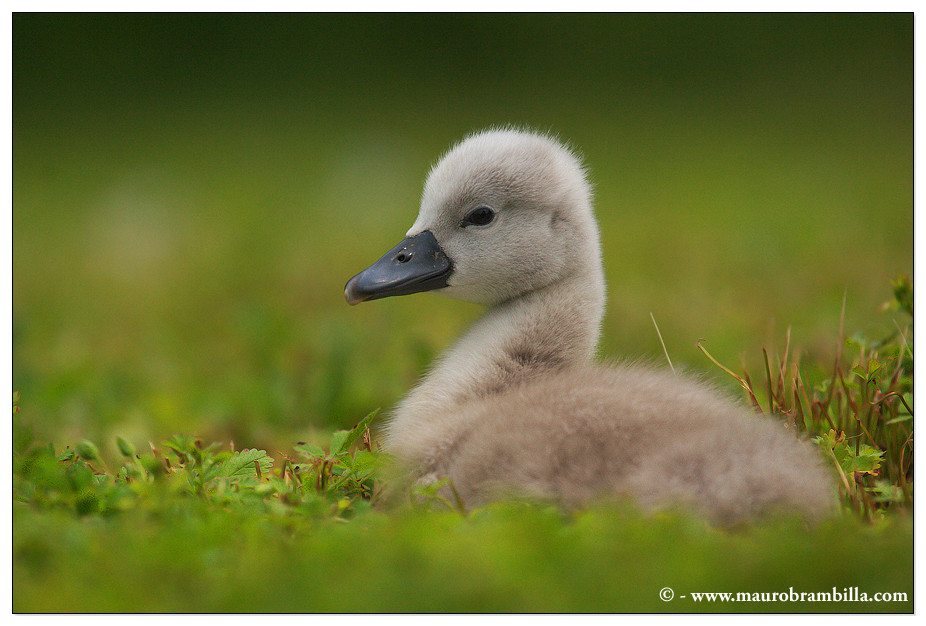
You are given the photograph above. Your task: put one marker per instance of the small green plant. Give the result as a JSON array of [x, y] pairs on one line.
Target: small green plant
[[440, 491], [860, 415], [311, 482]]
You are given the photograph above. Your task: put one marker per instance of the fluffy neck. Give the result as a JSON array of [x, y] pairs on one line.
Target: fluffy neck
[[547, 330]]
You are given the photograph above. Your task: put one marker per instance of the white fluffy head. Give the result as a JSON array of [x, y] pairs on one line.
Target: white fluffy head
[[543, 228]]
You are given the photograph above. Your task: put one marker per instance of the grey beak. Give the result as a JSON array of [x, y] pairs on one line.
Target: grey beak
[[417, 264]]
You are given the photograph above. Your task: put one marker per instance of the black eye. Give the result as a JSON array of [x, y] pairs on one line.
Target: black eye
[[479, 217]]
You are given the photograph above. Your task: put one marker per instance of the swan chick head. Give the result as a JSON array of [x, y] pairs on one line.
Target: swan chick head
[[503, 213]]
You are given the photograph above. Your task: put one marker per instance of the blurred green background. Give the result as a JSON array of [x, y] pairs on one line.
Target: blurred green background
[[191, 193]]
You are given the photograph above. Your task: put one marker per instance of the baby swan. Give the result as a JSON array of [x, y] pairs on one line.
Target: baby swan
[[519, 406]]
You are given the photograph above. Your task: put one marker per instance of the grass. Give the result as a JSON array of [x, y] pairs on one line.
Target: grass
[[504, 558], [203, 527], [860, 414]]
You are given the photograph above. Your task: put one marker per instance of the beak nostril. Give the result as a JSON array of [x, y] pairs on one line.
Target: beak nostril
[[416, 264]]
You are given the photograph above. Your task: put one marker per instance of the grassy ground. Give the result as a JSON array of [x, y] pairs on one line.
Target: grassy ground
[[503, 560], [193, 527], [189, 198]]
